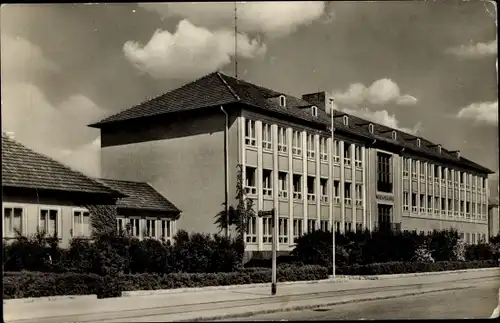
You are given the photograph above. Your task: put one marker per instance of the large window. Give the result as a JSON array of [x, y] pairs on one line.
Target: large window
[[310, 146], [267, 142], [422, 203], [267, 229], [166, 229], [283, 185], [357, 157], [12, 221], [323, 154], [81, 223], [250, 137], [347, 193], [422, 171], [297, 143], [252, 230], [250, 175], [406, 167], [297, 229], [283, 230], [311, 188], [282, 140], [359, 195], [49, 221], [336, 192], [436, 205], [323, 224], [297, 187], [414, 208], [336, 152], [406, 201], [413, 169], [384, 216], [323, 184], [429, 204], [134, 227], [150, 228], [311, 225], [347, 154], [384, 174], [267, 183]]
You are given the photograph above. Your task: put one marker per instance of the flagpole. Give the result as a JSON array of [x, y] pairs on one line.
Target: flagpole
[[332, 129]]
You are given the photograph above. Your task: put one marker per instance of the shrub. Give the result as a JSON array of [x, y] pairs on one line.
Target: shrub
[[50, 284], [423, 254], [481, 251], [459, 250], [399, 267]]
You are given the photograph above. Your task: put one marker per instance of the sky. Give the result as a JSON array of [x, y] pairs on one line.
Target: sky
[[428, 68]]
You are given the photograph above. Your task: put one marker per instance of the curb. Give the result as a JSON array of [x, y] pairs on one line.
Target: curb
[[432, 273], [306, 307], [14, 301], [228, 287]]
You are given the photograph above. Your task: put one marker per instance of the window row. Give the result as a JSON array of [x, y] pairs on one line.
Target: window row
[[438, 174], [297, 144], [429, 204], [146, 228], [311, 191]]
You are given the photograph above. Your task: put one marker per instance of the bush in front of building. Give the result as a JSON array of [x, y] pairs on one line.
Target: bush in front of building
[[400, 267], [53, 284], [481, 251], [459, 250]]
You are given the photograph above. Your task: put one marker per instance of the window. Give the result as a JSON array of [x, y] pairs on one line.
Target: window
[[336, 192], [336, 152], [166, 229], [297, 229], [347, 227], [456, 207], [467, 210], [474, 178], [13, 221], [297, 143], [462, 180], [422, 203], [469, 180], [134, 227], [414, 208], [267, 229], [394, 135], [347, 193], [297, 187], [359, 227], [467, 237], [430, 169], [473, 238], [310, 145], [282, 100], [311, 225], [347, 154], [337, 226], [252, 230], [450, 207], [443, 205], [311, 189], [462, 208], [323, 224], [359, 195], [49, 221], [384, 216], [406, 167], [429, 204], [267, 143], [436, 205], [81, 223], [414, 169], [267, 183], [283, 230], [346, 120], [418, 142], [457, 178], [447, 174], [406, 201], [436, 174], [282, 185], [422, 171], [282, 140], [120, 225], [150, 230], [384, 174], [323, 183], [357, 156], [250, 187], [370, 127], [474, 210], [314, 111], [250, 132], [323, 155]]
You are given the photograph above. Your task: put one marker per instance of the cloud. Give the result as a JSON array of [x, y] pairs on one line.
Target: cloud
[[188, 53], [382, 117], [274, 19], [480, 112], [380, 92], [477, 50]]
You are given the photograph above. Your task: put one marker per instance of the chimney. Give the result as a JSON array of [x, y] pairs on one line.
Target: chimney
[[319, 99], [457, 153]]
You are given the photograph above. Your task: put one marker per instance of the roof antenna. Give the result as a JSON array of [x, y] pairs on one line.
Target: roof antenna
[[235, 40]]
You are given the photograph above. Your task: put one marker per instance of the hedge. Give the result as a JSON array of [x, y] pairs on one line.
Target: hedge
[[53, 284], [399, 267]]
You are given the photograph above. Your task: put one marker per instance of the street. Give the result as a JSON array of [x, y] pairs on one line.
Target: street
[[478, 301]]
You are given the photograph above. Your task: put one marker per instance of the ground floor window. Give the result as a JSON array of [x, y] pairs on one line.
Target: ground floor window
[[283, 230], [267, 230], [323, 225], [12, 221], [146, 227], [252, 230], [311, 225], [81, 223], [49, 221], [297, 229], [384, 216]]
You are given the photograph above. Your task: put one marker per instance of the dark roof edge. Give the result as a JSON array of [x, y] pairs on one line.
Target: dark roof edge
[[236, 96], [116, 194]]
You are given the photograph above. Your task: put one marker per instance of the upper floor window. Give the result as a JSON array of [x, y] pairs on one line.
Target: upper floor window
[[394, 135], [436, 173], [469, 181], [346, 120], [282, 185], [297, 186], [406, 201], [336, 192], [267, 182], [323, 184], [250, 137], [430, 170], [311, 188], [384, 174], [474, 179], [323, 155], [282, 100], [347, 193], [359, 194], [12, 221], [357, 156], [413, 169], [250, 187], [314, 111], [422, 171], [347, 154], [252, 230], [310, 145], [297, 143], [370, 128], [406, 167], [336, 151], [267, 142], [282, 140]]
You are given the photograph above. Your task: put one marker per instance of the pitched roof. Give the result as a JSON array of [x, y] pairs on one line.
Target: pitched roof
[[141, 196], [24, 168], [218, 89]]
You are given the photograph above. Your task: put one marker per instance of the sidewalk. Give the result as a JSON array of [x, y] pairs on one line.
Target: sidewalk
[[234, 301]]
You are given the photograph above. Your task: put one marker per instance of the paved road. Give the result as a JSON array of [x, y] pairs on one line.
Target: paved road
[[478, 301]]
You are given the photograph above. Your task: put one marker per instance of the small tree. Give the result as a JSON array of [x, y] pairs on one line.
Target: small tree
[[239, 215], [102, 220]]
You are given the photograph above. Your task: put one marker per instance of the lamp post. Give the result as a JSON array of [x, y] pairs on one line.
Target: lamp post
[[332, 131], [272, 213]]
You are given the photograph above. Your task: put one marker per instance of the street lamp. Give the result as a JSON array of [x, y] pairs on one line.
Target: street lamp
[[332, 131], [272, 213]]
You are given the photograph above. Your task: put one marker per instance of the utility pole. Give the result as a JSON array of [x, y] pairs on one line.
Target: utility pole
[[272, 213]]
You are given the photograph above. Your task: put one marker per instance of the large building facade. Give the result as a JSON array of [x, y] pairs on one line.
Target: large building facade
[[368, 176]]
